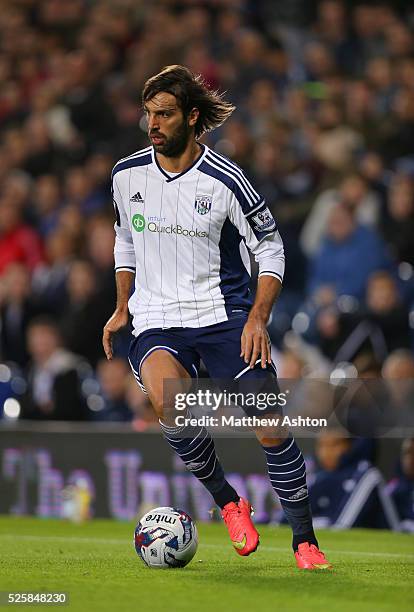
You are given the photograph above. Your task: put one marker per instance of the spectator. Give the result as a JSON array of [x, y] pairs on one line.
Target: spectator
[[53, 391], [17, 188], [113, 380], [100, 251], [398, 141], [401, 487], [347, 490], [49, 279], [47, 199], [16, 312], [398, 372], [84, 314], [348, 255], [398, 223], [399, 365], [354, 193], [363, 406], [89, 110], [18, 242], [333, 328], [386, 311], [42, 155], [379, 72], [80, 192], [360, 111], [380, 326]]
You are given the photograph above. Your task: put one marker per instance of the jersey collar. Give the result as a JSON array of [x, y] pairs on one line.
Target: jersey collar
[[193, 166]]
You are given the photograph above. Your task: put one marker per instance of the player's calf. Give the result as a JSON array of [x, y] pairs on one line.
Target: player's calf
[[287, 474], [195, 447]]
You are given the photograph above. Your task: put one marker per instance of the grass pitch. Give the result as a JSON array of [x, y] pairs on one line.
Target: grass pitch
[[97, 566]]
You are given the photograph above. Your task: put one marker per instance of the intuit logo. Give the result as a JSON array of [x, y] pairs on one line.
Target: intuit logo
[[138, 223]]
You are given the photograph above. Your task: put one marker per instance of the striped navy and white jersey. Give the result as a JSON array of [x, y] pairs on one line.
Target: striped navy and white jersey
[[185, 237]]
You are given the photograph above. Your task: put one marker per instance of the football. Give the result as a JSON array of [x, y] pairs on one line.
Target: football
[[166, 537]]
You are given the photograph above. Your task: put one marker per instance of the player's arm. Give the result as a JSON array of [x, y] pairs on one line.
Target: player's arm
[[124, 255], [124, 280], [255, 339], [255, 222]]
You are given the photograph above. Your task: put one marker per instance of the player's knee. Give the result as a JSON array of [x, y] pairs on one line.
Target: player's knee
[[164, 407]]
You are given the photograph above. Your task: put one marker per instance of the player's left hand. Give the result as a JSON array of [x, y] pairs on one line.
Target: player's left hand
[[255, 342]]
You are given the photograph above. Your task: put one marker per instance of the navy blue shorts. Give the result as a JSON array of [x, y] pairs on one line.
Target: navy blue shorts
[[218, 346]]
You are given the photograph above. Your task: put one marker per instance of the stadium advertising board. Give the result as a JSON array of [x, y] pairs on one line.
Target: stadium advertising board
[[122, 473]]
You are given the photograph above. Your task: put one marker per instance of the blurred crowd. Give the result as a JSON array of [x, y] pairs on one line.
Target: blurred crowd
[[324, 127], [346, 488]]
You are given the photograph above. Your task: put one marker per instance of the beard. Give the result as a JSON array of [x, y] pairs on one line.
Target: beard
[[176, 143]]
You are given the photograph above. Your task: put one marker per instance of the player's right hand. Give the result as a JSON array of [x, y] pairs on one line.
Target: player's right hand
[[118, 320]]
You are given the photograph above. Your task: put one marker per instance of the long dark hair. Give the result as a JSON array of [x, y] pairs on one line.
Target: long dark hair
[[191, 92]]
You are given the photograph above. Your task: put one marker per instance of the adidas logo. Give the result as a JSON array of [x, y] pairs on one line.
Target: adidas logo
[[301, 493], [137, 198]]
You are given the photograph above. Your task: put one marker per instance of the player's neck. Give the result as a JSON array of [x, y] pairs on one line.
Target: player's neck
[[183, 161]]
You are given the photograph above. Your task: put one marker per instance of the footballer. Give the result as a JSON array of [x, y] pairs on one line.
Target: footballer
[[186, 218]]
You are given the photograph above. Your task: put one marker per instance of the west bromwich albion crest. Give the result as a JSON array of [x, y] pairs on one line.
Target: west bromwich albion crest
[[203, 204]]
